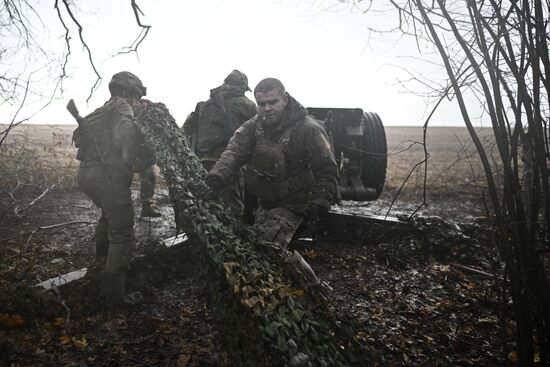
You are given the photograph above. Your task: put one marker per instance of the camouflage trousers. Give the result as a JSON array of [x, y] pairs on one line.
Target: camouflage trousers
[[276, 225], [232, 195], [147, 182], [114, 233]]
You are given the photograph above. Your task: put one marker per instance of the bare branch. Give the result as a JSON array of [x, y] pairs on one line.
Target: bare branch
[[85, 45]]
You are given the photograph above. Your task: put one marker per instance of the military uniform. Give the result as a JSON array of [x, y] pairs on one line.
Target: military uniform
[[289, 167], [145, 166], [211, 126], [116, 136], [147, 182]]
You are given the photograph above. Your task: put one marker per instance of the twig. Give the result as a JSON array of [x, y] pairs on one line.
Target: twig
[[424, 161], [17, 211], [85, 45], [472, 270], [13, 124], [61, 301], [47, 227]]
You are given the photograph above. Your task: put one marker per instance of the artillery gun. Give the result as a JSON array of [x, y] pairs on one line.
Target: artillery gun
[[359, 143], [358, 140]]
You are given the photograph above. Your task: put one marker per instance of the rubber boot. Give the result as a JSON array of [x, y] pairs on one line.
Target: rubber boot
[[148, 211], [114, 288]]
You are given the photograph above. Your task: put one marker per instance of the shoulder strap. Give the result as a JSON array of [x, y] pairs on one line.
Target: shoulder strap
[[259, 128], [283, 139], [285, 136]]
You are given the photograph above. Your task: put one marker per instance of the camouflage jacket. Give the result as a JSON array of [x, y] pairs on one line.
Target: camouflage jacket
[[111, 130], [214, 121], [290, 165]]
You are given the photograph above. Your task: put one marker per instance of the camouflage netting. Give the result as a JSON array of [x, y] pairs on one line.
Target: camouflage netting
[[267, 315]]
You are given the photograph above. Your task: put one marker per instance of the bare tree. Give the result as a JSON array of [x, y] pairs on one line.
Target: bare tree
[[504, 45], [28, 63], [32, 75]]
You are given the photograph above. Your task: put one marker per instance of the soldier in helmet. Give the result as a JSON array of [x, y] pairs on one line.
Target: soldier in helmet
[[213, 123], [108, 147], [290, 165]]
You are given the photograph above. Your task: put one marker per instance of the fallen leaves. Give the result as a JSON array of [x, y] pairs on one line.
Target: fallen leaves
[[442, 268], [59, 322], [424, 312], [310, 253], [79, 342], [466, 328], [9, 321], [250, 302]]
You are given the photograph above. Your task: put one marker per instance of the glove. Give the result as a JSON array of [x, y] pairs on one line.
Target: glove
[[209, 189], [314, 212]]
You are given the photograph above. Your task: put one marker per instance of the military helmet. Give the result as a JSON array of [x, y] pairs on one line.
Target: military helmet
[[237, 78], [128, 82]]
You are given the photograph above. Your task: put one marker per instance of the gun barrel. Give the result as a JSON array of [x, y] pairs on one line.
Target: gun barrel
[[73, 110]]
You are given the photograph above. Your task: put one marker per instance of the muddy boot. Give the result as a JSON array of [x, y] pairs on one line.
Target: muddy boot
[[147, 211], [114, 288]]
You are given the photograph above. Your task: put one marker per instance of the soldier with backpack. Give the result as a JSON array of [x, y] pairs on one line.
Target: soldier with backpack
[[108, 142], [214, 122]]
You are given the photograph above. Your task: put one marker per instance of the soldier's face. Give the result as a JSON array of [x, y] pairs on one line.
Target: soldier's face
[[271, 106]]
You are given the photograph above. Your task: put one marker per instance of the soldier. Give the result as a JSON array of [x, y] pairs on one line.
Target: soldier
[[145, 166], [108, 143], [213, 123], [147, 182], [289, 164]]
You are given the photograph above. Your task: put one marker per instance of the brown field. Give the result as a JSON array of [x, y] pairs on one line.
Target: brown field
[[454, 173]]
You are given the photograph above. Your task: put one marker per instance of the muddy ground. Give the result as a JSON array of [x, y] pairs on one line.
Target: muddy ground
[[407, 294], [411, 297]]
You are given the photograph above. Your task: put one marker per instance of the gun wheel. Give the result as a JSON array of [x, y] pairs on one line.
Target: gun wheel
[[374, 158]]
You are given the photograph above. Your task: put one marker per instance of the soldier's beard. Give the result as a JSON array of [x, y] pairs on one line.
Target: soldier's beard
[[270, 120]]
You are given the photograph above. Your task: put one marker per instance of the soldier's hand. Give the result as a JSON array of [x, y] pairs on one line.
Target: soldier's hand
[[204, 192], [209, 189]]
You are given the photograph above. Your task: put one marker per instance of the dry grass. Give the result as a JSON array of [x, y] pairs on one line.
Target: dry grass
[[40, 155], [35, 154], [34, 160], [453, 163]]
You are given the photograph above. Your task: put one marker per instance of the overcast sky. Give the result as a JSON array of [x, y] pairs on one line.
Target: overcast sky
[[323, 53]]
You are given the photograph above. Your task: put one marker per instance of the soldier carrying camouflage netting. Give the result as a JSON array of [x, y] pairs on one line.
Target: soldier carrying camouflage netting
[[267, 312], [289, 162], [108, 142]]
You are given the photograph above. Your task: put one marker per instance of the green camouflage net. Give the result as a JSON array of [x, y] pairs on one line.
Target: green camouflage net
[[267, 314]]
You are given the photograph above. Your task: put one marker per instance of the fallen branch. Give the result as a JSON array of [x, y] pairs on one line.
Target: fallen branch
[[40, 228], [472, 270], [17, 211]]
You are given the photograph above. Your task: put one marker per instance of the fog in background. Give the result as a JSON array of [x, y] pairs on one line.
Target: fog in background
[[323, 51]]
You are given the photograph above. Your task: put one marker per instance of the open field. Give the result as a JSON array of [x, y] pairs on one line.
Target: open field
[[455, 178]]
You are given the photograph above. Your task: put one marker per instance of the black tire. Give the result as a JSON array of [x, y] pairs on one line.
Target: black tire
[[374, 160]]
